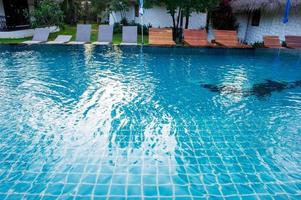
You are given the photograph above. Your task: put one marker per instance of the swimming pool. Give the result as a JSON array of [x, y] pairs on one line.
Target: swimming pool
[[82, 122]]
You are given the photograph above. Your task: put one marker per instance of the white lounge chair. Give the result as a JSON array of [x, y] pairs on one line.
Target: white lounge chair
[[83, 34], [61, 39], [105, 35], [129, 35], [40, 35]]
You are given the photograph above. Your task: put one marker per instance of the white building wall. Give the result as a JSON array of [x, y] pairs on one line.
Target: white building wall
[[2, 13], [270, 24], [158, 17], [116, 17], [242, 27]]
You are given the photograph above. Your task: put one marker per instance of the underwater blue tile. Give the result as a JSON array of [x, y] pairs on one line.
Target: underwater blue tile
[[31, 197], [164, 180], [73, 178], [265, 197], [253, 178], [89, 178], [259, 188], [150, 191], [14, 196], [67, 197], [83, 198], [77, 169], [54, 189], [213, 197], [183, 198], [281, 196], [197, 190], [213, 190], [290, 188], [239, 178], [181, 190], [224, 179], [209, 179], [59, 178], [249, 197], [265, 177], [116, 198], [100, 198], [134, 190], [69, 189], [85, 189], [134, 179], [149, 179], [274, 188], [37, 188], [92, 169], [179, 180], [104, 179], [106, 169], [233, 198], [5, 187], [120, 179], [47, 197], [244, 189], [228, 190], [166, 190], [101, 190], [3, 196], [28, 177], [133, 198], [22, 187], [295, 197], [117, 190]]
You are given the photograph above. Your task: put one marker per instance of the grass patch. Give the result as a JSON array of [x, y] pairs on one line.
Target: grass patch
[[71, 30]]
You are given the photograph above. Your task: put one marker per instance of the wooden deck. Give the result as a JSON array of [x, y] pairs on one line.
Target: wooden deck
[[161, 36], [272, 42], [228, 39], [196, 38], [293, 42]]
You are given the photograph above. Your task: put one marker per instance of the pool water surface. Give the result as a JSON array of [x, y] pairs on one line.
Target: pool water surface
[[86, 122]]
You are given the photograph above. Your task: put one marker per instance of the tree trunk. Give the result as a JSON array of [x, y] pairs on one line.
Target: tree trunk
[[186, 21], [178, 23], [174, 25], [208, 20]]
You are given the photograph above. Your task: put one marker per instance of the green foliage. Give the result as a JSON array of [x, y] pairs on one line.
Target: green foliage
[[121, 6], [118, 27], [258, 45], [99, 8], [179, 9], [46, 13], [223, 18], [72, 10]]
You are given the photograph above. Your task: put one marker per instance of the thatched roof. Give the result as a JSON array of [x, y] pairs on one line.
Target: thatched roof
[[268, 5]]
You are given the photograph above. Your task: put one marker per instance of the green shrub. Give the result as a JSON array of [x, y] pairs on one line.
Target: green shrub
[[46, 13], [118, 27], [222, 18], [258, 45]]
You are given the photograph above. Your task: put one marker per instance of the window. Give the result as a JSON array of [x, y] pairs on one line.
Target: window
[[136, 10], [256, 18]]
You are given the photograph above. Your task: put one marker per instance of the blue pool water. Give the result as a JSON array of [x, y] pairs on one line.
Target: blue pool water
[[83, 122]]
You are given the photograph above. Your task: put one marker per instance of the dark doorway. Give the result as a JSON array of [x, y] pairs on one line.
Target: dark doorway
[[14, 13]]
